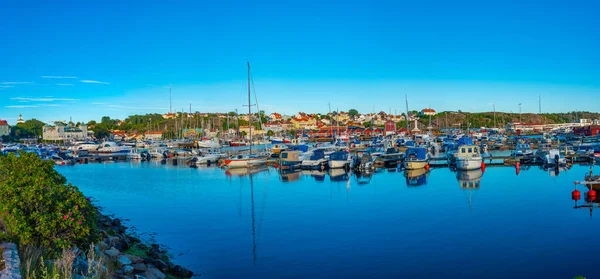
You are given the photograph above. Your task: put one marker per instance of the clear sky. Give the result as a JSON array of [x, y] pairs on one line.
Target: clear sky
[[86, 59]]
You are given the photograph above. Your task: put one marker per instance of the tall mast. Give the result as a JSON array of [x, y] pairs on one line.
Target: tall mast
[[407, 125], [249, 109], [494, 115], [170, 100]]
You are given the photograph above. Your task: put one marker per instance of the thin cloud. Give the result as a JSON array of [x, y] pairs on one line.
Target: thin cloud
[[21, 106], [16, 82], [42, 99], [58, 77], [6, 86], [93, 81], [51, 105], [64, 84]]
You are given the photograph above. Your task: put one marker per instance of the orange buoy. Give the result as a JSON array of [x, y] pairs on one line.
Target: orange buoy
[[591, 195], [575, 195], [427, 167]]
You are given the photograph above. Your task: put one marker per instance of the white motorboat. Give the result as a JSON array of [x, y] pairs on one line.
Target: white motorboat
[[468, 157], [209, 144], [244, 161], [113, 147]]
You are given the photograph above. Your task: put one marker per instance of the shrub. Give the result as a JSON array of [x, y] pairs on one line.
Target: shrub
[[39, 209]]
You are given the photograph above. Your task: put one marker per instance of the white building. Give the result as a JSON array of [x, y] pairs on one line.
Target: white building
[[153, 135], [60, 131], [4, 129]]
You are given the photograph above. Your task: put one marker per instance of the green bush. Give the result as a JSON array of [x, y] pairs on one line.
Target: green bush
[[39, 209]]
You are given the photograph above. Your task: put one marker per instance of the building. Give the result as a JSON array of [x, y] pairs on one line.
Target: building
[[428, 112], [153, 135], [390, 127], [275, 117], [590, 130], [60, 131], [4, 129], [20, 119]]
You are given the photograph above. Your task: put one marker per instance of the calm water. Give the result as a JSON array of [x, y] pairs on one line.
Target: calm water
[[305, 226]]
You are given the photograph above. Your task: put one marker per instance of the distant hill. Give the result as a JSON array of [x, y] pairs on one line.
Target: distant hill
[[486, 119]]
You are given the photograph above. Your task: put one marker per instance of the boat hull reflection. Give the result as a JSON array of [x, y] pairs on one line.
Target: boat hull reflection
[[416, 177]]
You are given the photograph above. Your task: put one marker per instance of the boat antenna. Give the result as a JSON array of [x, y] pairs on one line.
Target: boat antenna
[[170, 100]]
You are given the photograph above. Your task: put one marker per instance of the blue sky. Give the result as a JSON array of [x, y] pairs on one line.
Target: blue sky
[[86, 59]]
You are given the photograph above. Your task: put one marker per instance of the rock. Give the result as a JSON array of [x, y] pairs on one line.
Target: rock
[[161, 265], [116, 222], [112, 252], [128, 269], [153, 273], [103, 246], [140, 277], [139, 267], [134, 259], [180, 271], [104, 234], [81, 266], [123, 261]]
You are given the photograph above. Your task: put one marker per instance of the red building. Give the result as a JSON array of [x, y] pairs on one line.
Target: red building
[[590, 130], [390, 127]]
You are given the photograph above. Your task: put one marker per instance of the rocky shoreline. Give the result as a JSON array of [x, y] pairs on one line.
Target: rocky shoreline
[[128, 256]]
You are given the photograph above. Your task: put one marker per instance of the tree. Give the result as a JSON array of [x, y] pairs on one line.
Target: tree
[[352, 113], [270, 133], [101, 133], [39, 209]]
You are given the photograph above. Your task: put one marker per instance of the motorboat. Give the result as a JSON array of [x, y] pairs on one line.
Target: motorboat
[[553, 158], [468, 156], [523, 149], [391, 157], [62, 159], [209, 144], [316, 161], [416, 158], [339, 159], [113, 147], [289, 160], [244, 161]]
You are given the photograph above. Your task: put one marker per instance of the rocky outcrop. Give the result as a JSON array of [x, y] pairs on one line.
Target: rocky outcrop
[[10, 256], [132, 258]]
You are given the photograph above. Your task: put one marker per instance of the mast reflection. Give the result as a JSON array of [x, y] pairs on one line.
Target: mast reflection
[[469, 181]]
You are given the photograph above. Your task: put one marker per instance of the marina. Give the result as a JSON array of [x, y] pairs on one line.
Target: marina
[[301, 223]]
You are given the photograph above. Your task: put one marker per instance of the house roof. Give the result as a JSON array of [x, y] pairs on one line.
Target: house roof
[[3, 123], [428, 110]]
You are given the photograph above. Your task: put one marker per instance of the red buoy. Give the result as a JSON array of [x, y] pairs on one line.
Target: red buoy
[[482, 166], [62, 163], [591, 195], [575, 195], [427, 167]]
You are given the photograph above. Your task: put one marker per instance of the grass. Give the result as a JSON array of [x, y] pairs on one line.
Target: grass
[[139, 250]]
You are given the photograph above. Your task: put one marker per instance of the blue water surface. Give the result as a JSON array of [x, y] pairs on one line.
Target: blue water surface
[[304, 225]]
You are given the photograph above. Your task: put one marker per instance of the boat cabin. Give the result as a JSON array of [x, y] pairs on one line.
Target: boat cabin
[[468, 149]]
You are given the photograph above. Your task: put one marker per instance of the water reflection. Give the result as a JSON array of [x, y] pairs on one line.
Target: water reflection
[[289, 175], [319, 176], [469, 181], [416, 177], [363, 177], [338, 175], [245, 171]]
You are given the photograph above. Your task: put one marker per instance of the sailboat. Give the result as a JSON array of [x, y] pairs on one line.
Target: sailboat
[[250, 160]]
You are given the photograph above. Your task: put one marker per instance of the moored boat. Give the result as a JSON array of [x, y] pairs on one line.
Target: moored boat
[[416, 158]]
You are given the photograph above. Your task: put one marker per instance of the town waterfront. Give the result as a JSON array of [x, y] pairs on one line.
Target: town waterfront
[[305, 224]]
